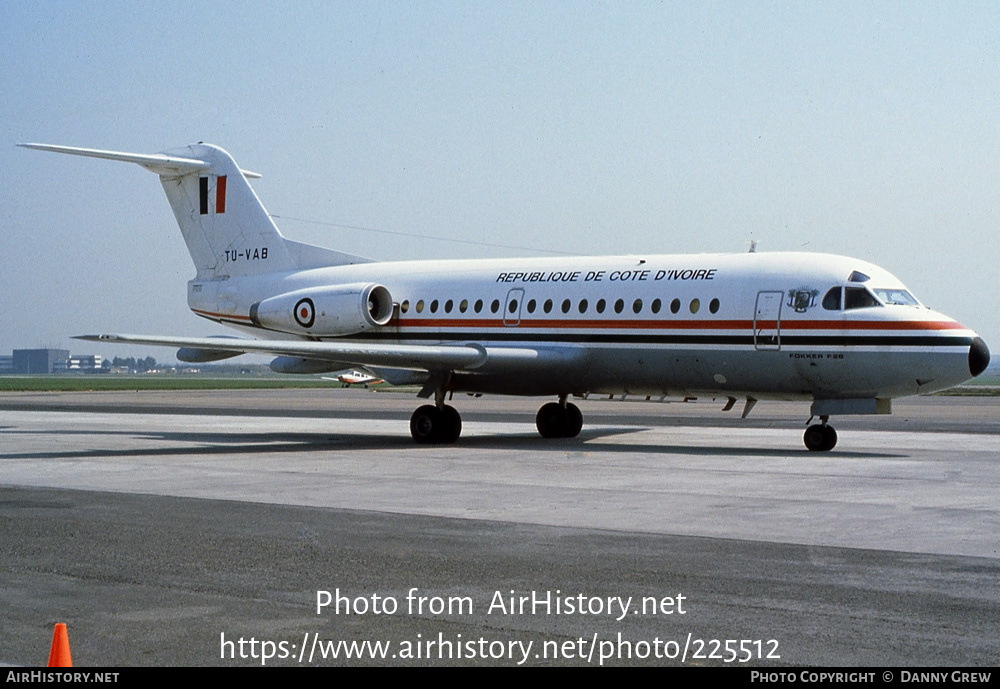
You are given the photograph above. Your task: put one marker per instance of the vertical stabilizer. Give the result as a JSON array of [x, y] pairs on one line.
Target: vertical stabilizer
[[226, 228]]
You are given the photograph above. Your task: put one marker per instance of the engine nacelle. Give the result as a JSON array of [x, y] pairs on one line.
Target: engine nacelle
[[325, 311]]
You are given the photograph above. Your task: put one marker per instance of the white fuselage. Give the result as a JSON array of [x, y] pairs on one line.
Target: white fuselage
[[728, 325]]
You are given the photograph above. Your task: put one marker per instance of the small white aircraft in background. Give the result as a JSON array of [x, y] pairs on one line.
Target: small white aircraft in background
[[349, 378], [842, 334]]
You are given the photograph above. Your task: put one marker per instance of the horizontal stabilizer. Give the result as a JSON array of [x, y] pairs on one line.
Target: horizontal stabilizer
[[157, 162]]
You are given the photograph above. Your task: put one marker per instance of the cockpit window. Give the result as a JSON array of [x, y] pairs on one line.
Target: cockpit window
[[893, 297], [858, 298], [858, 276], [831, 302]]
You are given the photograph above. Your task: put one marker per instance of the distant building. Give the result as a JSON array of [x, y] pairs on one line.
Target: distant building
[[80, 363], [27, 361], [6, 364]]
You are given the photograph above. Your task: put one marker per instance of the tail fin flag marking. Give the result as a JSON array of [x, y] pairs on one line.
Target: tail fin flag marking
[[220, 194], [205, 191], [203, 195]]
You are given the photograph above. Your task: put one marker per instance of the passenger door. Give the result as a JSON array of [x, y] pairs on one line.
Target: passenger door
[[767, 320]]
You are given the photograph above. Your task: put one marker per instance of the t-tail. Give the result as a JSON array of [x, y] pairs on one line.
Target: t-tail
[[225, 226]]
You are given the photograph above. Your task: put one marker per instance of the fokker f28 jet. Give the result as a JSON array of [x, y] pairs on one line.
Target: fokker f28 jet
[[842, 334]]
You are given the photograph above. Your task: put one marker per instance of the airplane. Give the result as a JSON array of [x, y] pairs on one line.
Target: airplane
[[842, 334], [354, 377]]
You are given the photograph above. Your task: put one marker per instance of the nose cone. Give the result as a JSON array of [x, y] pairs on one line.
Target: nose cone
[[979, 356]]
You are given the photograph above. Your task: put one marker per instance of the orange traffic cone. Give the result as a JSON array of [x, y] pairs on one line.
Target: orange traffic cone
[[59, 655]]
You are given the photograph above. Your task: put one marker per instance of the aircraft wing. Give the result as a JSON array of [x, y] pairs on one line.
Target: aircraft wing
[[432, 358]]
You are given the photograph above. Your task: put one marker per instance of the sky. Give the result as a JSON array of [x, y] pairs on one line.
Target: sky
[[489, 129]]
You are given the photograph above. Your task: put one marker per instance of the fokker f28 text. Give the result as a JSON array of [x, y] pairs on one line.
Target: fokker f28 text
[[842, 334]]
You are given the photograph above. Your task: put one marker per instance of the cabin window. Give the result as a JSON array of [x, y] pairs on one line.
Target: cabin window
[[655, 306], [531, 305], [583, 306], [479, 305], [495, 306], [464, 306], [566, 305], [694, 305], [675, 306], [447, 306], [637, 306], [420, 306], [713, 306], [601, 304], [434, 306], [547, 306], [619, 306], [831, 302], [405, 306], [858, 298]]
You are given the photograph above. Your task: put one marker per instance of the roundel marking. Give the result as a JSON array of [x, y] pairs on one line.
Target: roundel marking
[[305, 313]]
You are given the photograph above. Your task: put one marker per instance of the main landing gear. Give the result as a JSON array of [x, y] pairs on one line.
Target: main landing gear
[[559, 419], [432, 424], [439, 423], [820, 437]]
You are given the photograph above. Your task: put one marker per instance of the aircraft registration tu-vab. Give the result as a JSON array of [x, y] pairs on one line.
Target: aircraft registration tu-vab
[[843, 334]]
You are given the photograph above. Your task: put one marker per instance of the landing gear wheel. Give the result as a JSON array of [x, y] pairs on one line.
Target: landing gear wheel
[[551, 421], [425, 423], [451, 427], [574, 419], [556, 421], [820, 438], [429, 424]]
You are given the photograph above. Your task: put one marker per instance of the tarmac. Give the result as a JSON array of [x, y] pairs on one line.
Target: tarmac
[[208, 528]]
